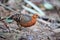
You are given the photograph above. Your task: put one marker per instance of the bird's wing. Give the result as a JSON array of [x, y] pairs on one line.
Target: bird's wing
[[25, 19]]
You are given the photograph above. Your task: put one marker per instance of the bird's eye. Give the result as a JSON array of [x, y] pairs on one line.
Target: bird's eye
[[36, 15]]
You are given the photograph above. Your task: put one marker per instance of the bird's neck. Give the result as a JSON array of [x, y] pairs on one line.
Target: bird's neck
[[34, 17]]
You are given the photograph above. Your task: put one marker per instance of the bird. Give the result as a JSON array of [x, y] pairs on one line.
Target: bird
[[25, 20]]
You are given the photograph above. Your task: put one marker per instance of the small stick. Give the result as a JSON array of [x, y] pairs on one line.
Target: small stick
[[5, 25], [2, 37], [40, 20]]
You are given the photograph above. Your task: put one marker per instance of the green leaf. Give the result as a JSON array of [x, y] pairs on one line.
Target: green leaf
[[8, 20]]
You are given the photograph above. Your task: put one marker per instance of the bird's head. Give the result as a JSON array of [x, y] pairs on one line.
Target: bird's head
[[35, 16]]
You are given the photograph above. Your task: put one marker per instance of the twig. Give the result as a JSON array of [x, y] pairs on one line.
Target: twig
[[2, 37], [35, 7], [9, 8], [40, 20], [48, 23], [5, 25]]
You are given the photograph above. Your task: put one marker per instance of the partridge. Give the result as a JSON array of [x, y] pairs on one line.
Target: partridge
[[25, 20]]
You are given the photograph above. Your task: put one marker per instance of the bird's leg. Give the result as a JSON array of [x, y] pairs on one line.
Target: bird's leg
[[20, 28]]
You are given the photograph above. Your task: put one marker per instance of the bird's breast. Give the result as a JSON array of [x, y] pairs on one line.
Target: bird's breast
[[28, 22]]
